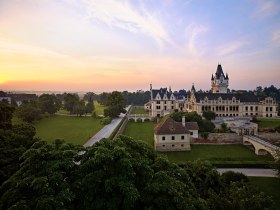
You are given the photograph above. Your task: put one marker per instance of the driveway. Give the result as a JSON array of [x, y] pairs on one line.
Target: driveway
[[251, 171], [106, 131]]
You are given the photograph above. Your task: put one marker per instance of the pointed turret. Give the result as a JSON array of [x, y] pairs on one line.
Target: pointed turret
[[193, 88], [212, 78], [219, 71], [227, 76]]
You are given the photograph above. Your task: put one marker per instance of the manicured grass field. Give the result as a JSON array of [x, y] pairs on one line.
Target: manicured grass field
[[99, 108], [213, 153], [141, 131], [139, 111], [270, 186], [217, 153], [269, 123], [76, 130]]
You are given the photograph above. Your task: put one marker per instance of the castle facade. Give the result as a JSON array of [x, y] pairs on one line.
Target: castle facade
[[219, 100]]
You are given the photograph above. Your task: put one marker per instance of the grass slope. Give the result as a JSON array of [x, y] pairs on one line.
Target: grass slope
[[269, 123], [76, 130], [213, 153], [269, 186]]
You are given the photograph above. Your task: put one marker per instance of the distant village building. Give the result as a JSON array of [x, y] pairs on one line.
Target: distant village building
[[219, 100], [174, 136], [8, 99]]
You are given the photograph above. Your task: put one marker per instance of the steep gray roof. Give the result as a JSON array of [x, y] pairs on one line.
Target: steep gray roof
[[219, 72], [162, 91], [243, 97]]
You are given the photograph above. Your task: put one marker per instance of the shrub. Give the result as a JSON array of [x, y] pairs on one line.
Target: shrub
[[139, 120], [231, 176], [106, 121], [93, 114], [131, 120], [147, 120], [204, 134]]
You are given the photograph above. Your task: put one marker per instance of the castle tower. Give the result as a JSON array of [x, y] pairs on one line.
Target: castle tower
[[219, 81]]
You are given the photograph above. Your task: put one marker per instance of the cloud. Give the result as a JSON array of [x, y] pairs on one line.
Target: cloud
[[122, 15], [9, 47], [266, 8], [230, 48], [276, 37], [193, 31]]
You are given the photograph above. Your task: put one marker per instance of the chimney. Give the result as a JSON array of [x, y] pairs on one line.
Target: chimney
[[183, 121]]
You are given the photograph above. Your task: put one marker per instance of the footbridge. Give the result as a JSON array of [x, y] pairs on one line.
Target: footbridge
[[260, 145], [139, 116]]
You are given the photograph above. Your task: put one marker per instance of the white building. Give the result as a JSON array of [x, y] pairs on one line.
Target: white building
[[174, 136]]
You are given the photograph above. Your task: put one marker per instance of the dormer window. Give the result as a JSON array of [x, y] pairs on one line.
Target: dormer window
[[205, 99]]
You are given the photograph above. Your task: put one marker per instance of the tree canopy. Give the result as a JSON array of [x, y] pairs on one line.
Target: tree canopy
[[28, 111], [121, 174], [6, 115], [49, 103], [115, 105]]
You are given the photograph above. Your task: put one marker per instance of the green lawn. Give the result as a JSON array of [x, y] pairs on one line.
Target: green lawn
[[63, 111], [76, 130], [269, 123], [99, 108], [142, 131], [270, 186], [218, 153], [139, 111], [214, 153]]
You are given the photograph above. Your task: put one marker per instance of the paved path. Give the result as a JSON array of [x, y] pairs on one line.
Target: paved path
[[251, 171], [106, 131]]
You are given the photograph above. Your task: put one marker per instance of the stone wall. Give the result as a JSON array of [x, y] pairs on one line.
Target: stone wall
[[273, 138], [222, 138]]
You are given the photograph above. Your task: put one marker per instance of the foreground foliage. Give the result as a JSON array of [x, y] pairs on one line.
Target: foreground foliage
[[121, 174]]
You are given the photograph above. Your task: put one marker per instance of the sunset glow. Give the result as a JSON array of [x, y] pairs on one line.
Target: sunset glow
[[94, 45]]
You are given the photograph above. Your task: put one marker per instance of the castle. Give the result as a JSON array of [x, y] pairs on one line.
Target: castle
[[218, 99]]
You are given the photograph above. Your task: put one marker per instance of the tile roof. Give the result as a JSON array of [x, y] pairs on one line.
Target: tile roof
[[169, 126], [243, 97]]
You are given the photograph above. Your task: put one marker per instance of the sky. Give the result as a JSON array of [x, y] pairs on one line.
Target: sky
[[106, 45]]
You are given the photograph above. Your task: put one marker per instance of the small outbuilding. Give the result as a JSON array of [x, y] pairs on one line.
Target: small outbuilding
[[174, 136]]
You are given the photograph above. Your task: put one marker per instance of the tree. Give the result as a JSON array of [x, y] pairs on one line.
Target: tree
[[79, 108], [103, 98], [90, 96], [6, 115], [115, 105], [49, 103], [45, 179], [90, 107], [120, 174], [209, 115], [13, 143], [224, 127], [28, 111], [70, 100]]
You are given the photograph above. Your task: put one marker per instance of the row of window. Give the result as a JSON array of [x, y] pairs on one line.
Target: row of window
[[158, 102], [251, 108], [158, 107], [173, 137], [227, 115], [268, 109], [182, 145], [220, 108]]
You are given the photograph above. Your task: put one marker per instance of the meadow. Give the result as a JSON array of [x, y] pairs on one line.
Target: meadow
[[76, 130]]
